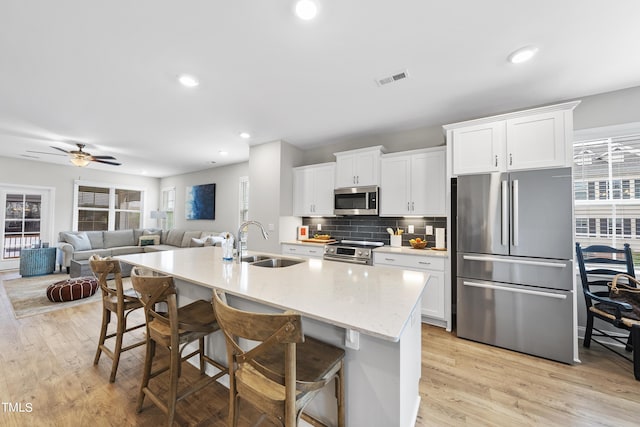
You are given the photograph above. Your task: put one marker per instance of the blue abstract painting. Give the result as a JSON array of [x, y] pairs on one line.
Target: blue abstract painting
[[201, 202]]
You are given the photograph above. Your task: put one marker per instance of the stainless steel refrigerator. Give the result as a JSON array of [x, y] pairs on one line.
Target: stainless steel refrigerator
[[515, 261]]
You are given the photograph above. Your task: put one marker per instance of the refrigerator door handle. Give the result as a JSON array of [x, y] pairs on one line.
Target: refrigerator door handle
[[515, 223], [518, 291], [505, 214], [514, 261]]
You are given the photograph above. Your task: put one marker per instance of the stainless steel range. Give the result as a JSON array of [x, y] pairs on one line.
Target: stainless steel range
[[353, 251]]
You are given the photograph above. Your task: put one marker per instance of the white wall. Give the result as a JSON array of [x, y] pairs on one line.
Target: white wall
[[264, 195], [423, 137], [611, 108], [227, 180], [271, 193]]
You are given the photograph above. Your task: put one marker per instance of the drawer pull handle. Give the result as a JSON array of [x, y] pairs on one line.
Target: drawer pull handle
[[514, 261], [389, 259], [424, 263], [515, 290]]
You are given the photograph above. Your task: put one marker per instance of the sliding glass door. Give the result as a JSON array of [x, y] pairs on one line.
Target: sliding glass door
[[25, 222], [21, 223]]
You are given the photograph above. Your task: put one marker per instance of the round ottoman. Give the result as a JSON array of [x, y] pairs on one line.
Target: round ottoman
[[72, 289]]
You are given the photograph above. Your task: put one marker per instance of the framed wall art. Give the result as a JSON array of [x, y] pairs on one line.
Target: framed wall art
[[200, 202]]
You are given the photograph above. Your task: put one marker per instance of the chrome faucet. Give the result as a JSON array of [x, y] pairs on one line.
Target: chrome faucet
[[242, 246]]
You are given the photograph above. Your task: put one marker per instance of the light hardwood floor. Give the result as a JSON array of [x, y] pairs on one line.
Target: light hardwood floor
[[46, 362]]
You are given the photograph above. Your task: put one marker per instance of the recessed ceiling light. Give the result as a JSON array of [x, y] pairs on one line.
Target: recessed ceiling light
[[223, 153], [306, 9], [188, 81], [245, 135], [523, 54]]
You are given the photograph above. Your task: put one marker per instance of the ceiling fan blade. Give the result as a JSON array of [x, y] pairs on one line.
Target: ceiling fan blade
[[104, 157], [105, 162], [44, 152], [57, 148]]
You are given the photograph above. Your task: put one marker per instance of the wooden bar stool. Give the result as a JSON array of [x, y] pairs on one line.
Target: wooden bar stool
[[173, 329], [284, 371], [119, 301]]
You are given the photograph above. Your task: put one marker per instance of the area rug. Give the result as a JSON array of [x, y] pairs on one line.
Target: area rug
[[28, 295]]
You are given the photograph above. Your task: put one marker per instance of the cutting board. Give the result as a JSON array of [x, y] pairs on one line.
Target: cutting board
[[312, 240]]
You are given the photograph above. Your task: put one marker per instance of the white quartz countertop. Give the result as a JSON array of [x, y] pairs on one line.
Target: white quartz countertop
[[301, 243], [410, 251], [377, 301]]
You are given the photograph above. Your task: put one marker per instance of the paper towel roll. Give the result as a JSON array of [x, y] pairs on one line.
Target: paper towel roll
[[439, 238]]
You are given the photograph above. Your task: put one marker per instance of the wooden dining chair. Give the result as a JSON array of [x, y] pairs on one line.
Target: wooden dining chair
[[598, 265], [284, 371], [174, 329], [122, 302]]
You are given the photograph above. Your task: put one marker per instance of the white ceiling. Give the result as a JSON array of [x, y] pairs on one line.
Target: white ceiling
[[104, 72]]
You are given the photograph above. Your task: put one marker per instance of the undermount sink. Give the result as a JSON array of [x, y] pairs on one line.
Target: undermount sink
[[276, 262], [254, 258]]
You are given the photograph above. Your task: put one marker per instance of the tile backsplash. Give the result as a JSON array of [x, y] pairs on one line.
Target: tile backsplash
[[373, 228]]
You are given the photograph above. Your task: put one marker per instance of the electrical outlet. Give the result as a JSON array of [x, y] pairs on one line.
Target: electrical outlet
[[429, 230], [271, 227], [411, 230], [319, 227]]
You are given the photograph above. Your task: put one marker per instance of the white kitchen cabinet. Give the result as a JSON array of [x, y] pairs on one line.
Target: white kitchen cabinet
[[478, 149], [433, 298], [310, 250], [530, 139], [536, 141], [313, 189], [357, 168], [413, 183]]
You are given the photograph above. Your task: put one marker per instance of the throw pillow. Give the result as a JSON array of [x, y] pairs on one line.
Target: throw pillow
[[197, 243], [217, 240], [208, 240], [79, 241], [148, 240]]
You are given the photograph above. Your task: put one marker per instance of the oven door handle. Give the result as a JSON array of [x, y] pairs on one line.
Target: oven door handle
[[347, 259]]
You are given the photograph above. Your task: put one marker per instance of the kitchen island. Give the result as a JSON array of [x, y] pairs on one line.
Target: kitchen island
[[372, 312]]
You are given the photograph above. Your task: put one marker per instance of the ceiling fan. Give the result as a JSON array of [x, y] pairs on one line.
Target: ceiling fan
[[82, 158]]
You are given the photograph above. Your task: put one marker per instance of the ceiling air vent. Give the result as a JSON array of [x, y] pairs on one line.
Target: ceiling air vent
[[393, 78]]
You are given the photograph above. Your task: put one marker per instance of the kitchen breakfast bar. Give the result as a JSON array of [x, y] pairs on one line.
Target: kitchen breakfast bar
[[372, 312]]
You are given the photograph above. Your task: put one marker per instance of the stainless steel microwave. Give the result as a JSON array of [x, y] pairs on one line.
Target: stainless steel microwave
[[356, 201]]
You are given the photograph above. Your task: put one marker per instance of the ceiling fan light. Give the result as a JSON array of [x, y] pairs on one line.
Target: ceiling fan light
[[79, 161]]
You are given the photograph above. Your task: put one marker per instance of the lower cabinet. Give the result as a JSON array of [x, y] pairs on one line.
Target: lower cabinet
[[308, 250], [433, 296]]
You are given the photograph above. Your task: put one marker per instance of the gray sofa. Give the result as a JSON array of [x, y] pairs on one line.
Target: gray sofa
[[80, 245]]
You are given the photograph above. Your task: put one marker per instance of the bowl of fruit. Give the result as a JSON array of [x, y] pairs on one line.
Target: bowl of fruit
[[418, 243]]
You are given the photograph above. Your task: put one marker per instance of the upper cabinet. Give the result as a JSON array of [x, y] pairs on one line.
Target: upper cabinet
[[357, 168], [413, 183], [479, 148], [530, 139], [313, 189]]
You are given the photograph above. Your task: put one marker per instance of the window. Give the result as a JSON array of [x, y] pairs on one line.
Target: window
[[103, 207], [168, 205], [607, 188], [582, 226], [243, 198]]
